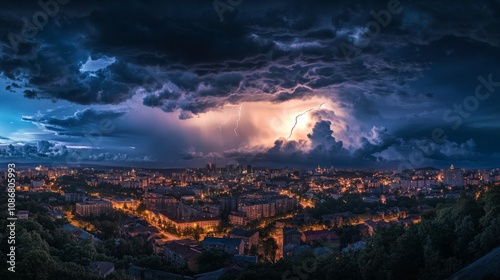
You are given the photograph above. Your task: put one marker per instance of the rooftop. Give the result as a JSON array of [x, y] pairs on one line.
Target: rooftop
[[320, 234], [183, 250], [484, 268], [222, 241], [242, 232], [102, 268]]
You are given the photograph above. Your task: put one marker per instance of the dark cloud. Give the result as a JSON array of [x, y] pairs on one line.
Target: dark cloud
[[419, 152], [47, 150], [322, 140], [12, 87], [321, 148], [29, 93], [284, 48], [41, 149], [81, 123], [119, 157], [180, 57], [191, 153]]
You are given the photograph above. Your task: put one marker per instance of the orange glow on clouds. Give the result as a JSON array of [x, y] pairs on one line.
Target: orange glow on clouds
[[260, 123]]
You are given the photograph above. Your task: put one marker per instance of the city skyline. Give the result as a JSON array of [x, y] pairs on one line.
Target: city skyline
[[385, 85]]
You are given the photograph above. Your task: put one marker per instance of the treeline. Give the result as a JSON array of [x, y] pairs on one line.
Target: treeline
[[446, 240]]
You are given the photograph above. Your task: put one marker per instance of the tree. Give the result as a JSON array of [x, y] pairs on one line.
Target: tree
[[253, 250], [270, 247], [197, 233], [79, 252], [109, 229], [141, 208], [211, 260], [36, 264]]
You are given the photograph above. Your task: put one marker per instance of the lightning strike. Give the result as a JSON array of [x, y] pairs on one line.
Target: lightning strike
[[300, 115], [238, 122], [227, 120]]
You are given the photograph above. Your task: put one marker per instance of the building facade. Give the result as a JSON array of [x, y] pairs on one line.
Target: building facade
[[454, 177], [93, 208]]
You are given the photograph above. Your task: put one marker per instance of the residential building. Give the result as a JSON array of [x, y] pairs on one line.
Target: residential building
[[250, 237], [291, 236], [93, 208], [103, 269], [182, 255], [158, 202], [321, 237], [23, 215], [237, 218], [78, 233], [74, 197], [206, 223], [232, 246], [454, 177], [258, 210], [229, 203]]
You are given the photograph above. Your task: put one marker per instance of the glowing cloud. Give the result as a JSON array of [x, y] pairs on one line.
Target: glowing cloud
[[300, 115]]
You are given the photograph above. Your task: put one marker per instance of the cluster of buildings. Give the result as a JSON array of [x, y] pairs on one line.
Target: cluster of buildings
[[256, 206], [235, 196]]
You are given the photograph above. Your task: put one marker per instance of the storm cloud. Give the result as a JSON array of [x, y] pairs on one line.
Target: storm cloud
[[179, 57]]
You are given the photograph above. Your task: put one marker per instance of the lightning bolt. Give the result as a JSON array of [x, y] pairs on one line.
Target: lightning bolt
[[220, 133], [238, 122], [227, 120], [300, 115]]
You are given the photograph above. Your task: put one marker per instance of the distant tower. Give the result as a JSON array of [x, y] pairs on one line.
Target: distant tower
[[210, 167], [454, 177]]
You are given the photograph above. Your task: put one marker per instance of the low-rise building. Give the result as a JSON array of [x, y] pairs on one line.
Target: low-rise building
[[206, 223], [23, 215], [79, 234], [93, 208], [182, 255], [291, 236], [103, 269], [232, 246], [322, 237], [250, 237]]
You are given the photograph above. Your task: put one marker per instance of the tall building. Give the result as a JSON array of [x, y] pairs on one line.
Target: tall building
[[258, 209], [454, 177], [211, 167], [486, 177], [229, 203], [74, 197], [158, 202]]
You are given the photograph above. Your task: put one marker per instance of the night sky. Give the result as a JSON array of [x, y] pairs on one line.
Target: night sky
[[361, 84]]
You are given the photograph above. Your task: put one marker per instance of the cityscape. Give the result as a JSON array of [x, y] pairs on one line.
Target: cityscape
[[235, 139], [215, 222]]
